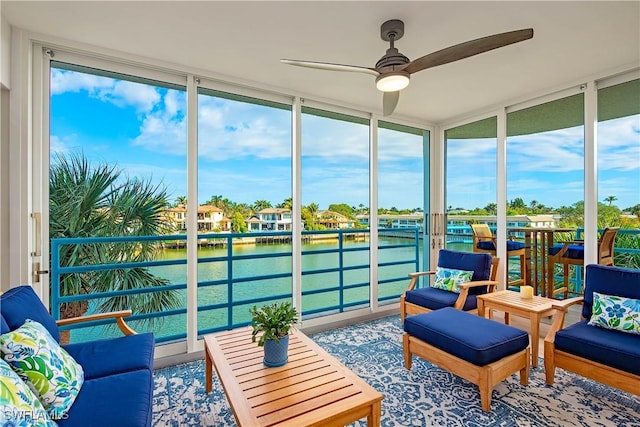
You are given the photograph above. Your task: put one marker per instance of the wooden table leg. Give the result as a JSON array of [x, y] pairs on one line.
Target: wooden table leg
[[481, 309], [208, 368], [535, 337], [373, 420]]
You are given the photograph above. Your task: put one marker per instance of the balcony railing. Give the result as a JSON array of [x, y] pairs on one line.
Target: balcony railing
[[239, 270]]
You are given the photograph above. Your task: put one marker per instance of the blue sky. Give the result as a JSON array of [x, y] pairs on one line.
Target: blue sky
[[244, 151]]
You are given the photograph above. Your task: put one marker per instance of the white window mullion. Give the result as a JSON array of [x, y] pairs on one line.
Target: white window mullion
[[590, 173], [501, 183], [296, 183], [192, 214], [373, 213]]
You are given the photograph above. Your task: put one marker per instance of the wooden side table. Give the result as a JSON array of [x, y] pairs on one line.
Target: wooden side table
[[510, 302]]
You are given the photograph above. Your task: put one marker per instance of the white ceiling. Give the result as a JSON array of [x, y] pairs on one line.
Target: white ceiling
[[244, 40]]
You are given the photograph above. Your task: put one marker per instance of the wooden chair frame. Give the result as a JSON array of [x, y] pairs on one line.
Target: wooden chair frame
[[482, 233], [117, 315], [410, 308], [605, 257], [587, 368]]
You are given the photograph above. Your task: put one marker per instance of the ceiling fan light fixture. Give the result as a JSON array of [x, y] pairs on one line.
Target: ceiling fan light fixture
[[393, 81]]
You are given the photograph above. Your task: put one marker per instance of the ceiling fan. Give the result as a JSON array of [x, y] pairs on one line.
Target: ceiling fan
[[393, 70]]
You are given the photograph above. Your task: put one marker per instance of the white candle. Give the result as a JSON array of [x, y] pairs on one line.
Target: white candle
[[526, 292]]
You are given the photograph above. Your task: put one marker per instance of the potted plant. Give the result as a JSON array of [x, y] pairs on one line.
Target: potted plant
[[274, 321]]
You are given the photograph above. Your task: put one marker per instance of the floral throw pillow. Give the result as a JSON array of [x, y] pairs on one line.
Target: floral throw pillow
[[43, 365], [19, 406], [449, 279], [613, 312]]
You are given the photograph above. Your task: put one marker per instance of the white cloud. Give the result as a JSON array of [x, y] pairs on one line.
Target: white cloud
[[69, 81], [164, 135], [398, 146], [124, 93], [236, 130], [58, 145], [118, 92]]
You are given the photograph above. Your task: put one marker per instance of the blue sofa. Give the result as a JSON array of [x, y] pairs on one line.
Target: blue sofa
[[608, 356], [118, 372]]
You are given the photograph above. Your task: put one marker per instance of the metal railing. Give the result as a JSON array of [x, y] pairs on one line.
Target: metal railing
[[230, 309]]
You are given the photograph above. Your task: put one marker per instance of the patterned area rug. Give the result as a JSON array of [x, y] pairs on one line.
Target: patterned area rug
[[424, 396]]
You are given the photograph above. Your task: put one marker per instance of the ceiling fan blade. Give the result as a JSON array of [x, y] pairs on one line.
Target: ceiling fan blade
[[331, 67], [389, 102], [467, 49]]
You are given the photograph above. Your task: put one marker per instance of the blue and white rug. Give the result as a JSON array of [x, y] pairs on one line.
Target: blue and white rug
[[424, 396]]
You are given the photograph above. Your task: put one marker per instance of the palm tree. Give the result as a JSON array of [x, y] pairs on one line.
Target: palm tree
[[610, 199], [181, 200], [259, 205], [313, 208], [87, 201], [286, 204]]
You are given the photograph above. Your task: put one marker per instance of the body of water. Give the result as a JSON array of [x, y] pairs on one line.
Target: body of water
[[325, 288]]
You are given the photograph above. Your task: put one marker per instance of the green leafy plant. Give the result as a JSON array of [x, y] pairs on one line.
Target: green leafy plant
[[274, 321]]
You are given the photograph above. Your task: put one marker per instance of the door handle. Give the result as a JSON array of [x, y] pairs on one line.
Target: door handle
[[37, 219], [37, 272]]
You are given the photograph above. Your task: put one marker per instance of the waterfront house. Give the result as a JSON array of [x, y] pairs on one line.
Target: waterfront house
[[333, 220], [210, 218], [275, 219]]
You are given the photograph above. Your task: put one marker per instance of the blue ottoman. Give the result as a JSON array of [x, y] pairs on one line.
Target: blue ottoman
[[479, 350]]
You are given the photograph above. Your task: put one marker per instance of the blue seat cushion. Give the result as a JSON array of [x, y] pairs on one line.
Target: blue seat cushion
[[21, 303], [110, 356], [435, 299], [469, 337], [612, 348], [511, 245], [479, 263], [123, 400], [573, 251], [609, 280]]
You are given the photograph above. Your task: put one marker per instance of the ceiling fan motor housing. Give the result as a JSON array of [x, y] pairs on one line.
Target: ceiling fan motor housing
[[391, 31]]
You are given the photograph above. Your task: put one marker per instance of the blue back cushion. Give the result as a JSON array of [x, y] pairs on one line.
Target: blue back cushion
[[618, 281], [479, 263], [21, 303]]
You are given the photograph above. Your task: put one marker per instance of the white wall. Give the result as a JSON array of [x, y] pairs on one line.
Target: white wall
[[5, 84], [4, 189], [5, 53]]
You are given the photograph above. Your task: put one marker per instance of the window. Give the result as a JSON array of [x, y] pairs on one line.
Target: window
[[335, 193]]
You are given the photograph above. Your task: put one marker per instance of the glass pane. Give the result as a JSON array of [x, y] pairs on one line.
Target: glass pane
[[545, 186], [470, 181], [401, 215], [118, 157], [244, 213], [335, 192], [619, 170]]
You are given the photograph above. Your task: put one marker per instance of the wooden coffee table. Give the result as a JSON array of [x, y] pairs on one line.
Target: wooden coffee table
[[510, 302], [312, 389]]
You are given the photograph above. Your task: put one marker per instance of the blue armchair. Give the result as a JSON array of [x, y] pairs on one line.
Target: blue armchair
[[604, 354], [118, 372], [423, 300]]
